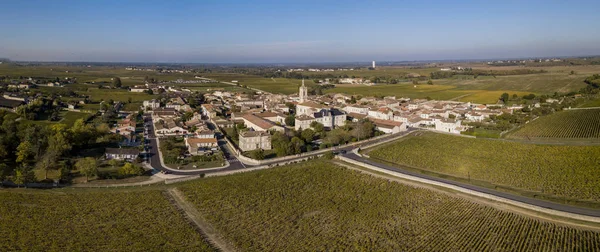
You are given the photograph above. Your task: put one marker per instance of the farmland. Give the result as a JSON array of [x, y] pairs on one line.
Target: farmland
[[562, 171], [275, 85], [319, 206], [94, 221], [578, 124]]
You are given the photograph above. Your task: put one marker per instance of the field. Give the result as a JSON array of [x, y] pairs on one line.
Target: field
[[94, 221], [88, 74], [318, 206], [578, 124], [563, 171], [276, 85], [440, 92]]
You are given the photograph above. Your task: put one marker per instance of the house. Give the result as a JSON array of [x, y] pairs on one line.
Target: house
[[10, 105], [209, 111], [357, 109], [139, 89], [330, 118], [168, 128], [252, 140], [449, 126], [122, 153], [205, 134], [199, 146], [389, 126], [153, 104], [308, 108], [260, 124]]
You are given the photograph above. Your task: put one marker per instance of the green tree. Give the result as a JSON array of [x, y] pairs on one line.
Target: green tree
[[308, 135], [46, 163], [430, 82], [117, 82], [19, 177], [113, 162], [290, 120], [504, 97], [363, 130], [297, 145], [318, 127], [257, 154], [24, 152], [88, 167], [129, 169]]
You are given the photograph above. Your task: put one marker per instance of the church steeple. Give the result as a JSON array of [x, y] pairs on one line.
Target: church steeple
[[303, 92]]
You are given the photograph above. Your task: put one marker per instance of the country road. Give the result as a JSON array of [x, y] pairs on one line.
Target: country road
[[521, 199]]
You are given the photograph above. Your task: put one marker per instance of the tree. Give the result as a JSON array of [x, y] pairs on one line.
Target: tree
[[297, 144], [46, 163], [363, 129], [504, 97], [24, 152], [129, 99], [318, 127], [88, 167], [308, 135], [19, 178], [430, 82], [117, 82], [129, 169], [113, 162], [290, 120], [257, 154]]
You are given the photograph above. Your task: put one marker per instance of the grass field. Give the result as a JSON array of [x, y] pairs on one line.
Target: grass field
[[578, 124], [318, 206], [94, 221], [563, 171]]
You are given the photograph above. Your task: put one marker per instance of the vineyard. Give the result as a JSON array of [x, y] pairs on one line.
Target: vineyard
[[108, 221], [318, 206], [564, 171], [583, 123]]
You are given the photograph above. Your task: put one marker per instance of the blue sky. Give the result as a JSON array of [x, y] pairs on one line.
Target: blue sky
[[295, 31]]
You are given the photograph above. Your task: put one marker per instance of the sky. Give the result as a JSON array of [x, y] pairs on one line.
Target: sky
[[295, 31]]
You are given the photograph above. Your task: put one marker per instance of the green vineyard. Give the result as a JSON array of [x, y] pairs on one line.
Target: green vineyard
[[318, 206], [107, 221], [565, 171], [583, 123]]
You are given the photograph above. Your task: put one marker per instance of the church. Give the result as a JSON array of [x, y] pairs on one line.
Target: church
[[309, 111]]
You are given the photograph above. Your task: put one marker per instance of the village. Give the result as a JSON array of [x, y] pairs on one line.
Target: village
[[254, 123]]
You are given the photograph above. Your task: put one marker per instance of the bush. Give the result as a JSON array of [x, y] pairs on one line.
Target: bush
[[130, 170]]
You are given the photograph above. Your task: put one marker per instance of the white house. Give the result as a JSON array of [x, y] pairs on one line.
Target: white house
[[121, 153], [252, 140], [449, 126]]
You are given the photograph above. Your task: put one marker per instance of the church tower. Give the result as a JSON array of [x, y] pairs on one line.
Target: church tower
[[303, 92]]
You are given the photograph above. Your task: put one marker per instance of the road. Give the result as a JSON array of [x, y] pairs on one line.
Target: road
[[522, 199], [234, 163], [154, 158]]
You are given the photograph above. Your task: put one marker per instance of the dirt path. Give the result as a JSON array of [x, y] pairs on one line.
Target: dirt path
[[194, 216], [491, 203]]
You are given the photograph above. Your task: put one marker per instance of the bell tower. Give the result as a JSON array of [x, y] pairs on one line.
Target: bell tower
[[303, 92]]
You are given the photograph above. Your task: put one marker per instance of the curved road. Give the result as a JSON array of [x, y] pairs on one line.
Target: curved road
[[522, 199]]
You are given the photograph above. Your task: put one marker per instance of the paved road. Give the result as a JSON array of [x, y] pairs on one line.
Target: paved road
[[527, 200], [155, 163]]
